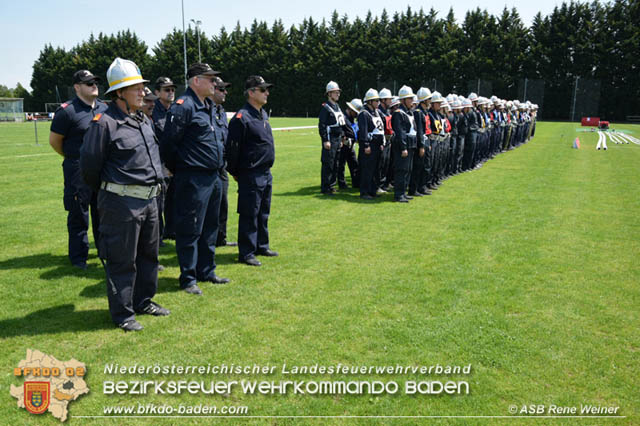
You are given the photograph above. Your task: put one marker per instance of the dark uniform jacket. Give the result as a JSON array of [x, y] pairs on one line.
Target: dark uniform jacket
[[330, 121], [421, 124], [121, 149], [250, 146], [189, 139], [404, 128], [462, 124], [453, 120], [370, 127], [159, 116], [71, 120]]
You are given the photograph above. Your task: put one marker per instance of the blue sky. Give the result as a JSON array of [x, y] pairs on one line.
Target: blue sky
[[28, 25]]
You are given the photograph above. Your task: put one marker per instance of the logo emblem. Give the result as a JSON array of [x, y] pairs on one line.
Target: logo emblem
[[36, 396]]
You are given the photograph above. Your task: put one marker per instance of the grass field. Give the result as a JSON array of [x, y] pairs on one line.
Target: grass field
[[526, 269]]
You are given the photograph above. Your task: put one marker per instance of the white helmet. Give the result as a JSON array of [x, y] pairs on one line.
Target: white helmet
[[123, 73], [445, 104], [355, 105], [436, 97], [466, 103], [415, 99], [424, 94], [385, 94], [371, 95], [405, 92], [394, 101], [449, 98], [456, 105], [473, 97], [332, 86]]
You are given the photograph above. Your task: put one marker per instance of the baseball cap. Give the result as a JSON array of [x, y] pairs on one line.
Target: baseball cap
[[256, 81], [200, 69], [164, 82], [83, 76], [148, 95], [220, 83]]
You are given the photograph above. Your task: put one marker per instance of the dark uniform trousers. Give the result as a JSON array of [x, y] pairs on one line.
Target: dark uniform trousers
[[329, 160], [429, 151], [78, 201], [129, 240], [254, 206], [384, 168], [224, 209], [417, 171], [168, 192], [347, 156], [197, 200], [368, 164], [402, 170], [460, 152]]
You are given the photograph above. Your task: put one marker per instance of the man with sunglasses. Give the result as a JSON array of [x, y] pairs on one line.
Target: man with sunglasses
[[250, 155], [190, 140], [222, 130], [68, 127], [165, 90]]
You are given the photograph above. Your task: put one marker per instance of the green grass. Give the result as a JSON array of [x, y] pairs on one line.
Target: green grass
[[527, 269]]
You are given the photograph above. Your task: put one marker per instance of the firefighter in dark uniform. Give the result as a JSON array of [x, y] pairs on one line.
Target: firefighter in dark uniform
[[462, 126], [222, 130], [347, 154], [404, 143], [121, 158], [437, 138], [330, 124], [419, 155], [370, 142], [472, 133], [250, 155], [424, 126], [165, 90], [68, 127], [190, 138], [385, 174]]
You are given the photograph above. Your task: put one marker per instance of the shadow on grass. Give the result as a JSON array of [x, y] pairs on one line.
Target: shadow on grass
[[63, 318], [351, 195], [61, 266]]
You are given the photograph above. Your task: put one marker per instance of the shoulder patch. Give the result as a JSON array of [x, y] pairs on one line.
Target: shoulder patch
[[180, 101], [239, 115], [64, 105], [97, 117]]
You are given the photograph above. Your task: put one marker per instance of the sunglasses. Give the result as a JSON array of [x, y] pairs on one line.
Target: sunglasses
[[89, 83], [168, 89], [261, 89], [221, 89]]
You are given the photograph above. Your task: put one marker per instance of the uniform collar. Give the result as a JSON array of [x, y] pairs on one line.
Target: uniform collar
[[84, 104], [119, 116], [253, 111], [199, 105], [160, 105]]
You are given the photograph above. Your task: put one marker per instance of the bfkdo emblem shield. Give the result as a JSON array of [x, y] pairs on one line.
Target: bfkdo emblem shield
[[36, 396]]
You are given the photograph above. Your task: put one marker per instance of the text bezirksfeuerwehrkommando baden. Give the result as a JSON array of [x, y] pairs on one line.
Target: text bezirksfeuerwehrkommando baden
[[313, 386]]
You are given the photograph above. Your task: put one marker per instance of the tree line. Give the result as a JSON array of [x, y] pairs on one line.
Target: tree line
[[496, 54]]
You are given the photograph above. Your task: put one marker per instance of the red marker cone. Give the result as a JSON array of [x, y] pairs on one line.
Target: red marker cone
[[576, 143]]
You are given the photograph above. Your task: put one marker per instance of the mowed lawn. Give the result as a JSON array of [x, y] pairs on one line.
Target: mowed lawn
[[527, 269]]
